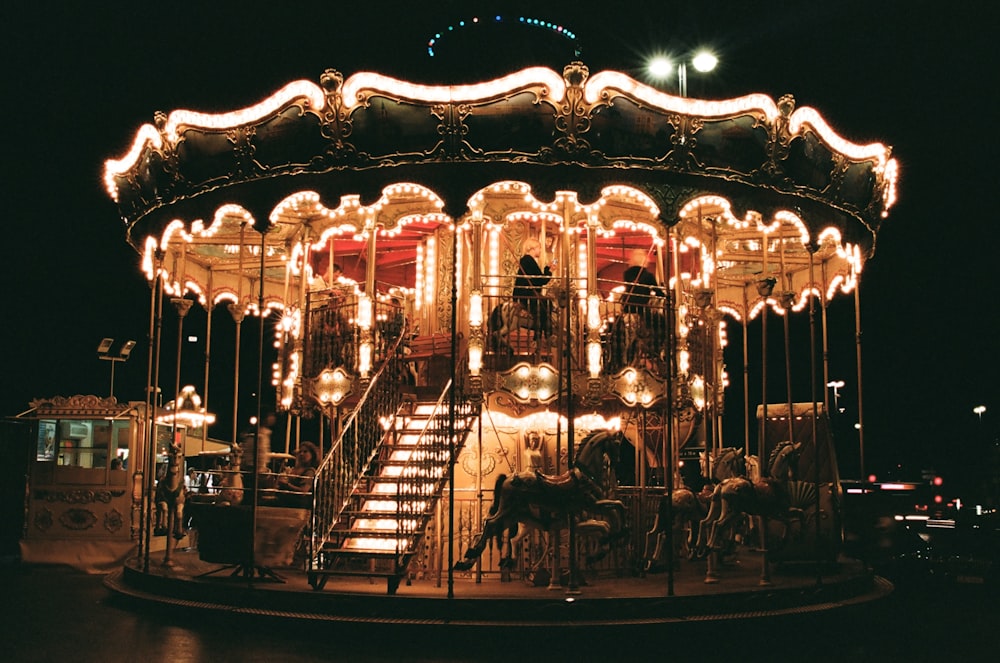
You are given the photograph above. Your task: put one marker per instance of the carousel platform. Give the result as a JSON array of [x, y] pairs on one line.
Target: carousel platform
[[190, 583]]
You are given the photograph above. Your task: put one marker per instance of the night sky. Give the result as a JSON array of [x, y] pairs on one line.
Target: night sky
[[79, 81]]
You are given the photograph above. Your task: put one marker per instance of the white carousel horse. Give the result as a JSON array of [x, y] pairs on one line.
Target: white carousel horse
[[689, 509], [231, 493], [542, 501], [169, 497], [767, 498]]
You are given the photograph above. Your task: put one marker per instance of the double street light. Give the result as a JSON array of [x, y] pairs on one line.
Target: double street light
[[104, 352], [661, 67]]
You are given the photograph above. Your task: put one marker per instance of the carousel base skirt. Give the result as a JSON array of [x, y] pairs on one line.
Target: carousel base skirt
[[793, 589]]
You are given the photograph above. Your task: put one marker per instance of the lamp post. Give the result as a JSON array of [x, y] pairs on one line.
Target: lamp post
[[104, 352], [979, 409], [661, 67], [836, 385]]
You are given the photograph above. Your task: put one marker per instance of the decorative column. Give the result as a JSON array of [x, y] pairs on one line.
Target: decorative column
[[476, 337], [593, 313]]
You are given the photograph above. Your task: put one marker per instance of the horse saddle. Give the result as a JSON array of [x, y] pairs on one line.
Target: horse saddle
[[572, 480], [564, 480]]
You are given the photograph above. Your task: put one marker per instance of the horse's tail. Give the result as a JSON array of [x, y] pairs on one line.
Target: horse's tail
[[496, 494]]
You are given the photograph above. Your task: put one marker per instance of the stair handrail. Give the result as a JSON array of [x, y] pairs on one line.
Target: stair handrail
[[435, 457], [351, 453]]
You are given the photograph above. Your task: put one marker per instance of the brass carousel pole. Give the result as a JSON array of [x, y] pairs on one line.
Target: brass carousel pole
[[208, 354], [786, 303], [573, 586], [452, 404], [826, 341], [764, 288], [152, 388], [815, 409], [237, 310], [787, 300], [251, 568], [746, 375], [857, 345], [183, 306], [668, 421]]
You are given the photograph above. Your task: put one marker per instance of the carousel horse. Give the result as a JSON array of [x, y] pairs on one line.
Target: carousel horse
[[689, 509], [169, 497], [506, 317], [635, 337], [767, 498], [532, 499], [231, 493]]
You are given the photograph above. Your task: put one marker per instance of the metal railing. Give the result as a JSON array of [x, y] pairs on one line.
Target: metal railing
[[511, 333], [425, 472], [353, 451]]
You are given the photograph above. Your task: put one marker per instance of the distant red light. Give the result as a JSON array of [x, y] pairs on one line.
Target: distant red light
[[872, 478], [938, 481], [938, 499]]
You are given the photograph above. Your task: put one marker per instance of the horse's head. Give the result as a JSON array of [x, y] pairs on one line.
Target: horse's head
[[235, 456], [729, 462], [594, 447], [175, 456], [783, 462]]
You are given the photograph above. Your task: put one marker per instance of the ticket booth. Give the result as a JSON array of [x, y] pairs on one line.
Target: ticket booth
[[84, 490]]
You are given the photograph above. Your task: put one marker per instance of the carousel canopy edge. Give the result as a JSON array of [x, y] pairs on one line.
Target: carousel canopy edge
[[607, 122]]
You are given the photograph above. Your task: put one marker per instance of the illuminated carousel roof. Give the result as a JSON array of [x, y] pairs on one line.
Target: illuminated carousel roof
[[326, 159]]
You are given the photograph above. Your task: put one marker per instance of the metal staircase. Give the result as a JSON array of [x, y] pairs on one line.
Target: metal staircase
[[382, 523]]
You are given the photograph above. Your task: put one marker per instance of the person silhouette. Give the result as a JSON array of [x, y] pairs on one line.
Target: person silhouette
[[528, 285]]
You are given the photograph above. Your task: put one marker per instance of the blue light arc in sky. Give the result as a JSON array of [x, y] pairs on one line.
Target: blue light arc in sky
[[498, 19]]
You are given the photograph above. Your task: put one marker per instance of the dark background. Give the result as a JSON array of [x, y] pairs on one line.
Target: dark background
[[919, 76]]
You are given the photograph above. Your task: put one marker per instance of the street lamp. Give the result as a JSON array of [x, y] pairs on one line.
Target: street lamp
[[661, 67], [836, 385], [104, 352], [979, 409]]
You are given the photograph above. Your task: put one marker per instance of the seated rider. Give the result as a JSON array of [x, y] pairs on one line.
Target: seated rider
[[640, 286], [531, 278]]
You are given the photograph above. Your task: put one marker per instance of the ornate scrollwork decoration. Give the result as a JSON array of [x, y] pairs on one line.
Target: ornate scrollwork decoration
[[670, 198], [468, 460], [113, 521], [78, 496], [573, 115], [336, 124], [681, 156], [77, 405], [241, 139], [637, 387], [78, 519], [44, 520], [838, 173], [453, 131], [779, 139], [169, 161], [507, 403]]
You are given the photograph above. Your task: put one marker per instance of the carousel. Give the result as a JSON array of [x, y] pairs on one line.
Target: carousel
[[500, 314]]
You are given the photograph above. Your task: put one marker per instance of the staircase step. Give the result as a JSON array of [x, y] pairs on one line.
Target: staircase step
[[388, 490], [400, 493], [389, 504]]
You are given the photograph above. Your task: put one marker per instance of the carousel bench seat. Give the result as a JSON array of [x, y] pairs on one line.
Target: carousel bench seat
[[224, 533], [430, 358], [431, 345]]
